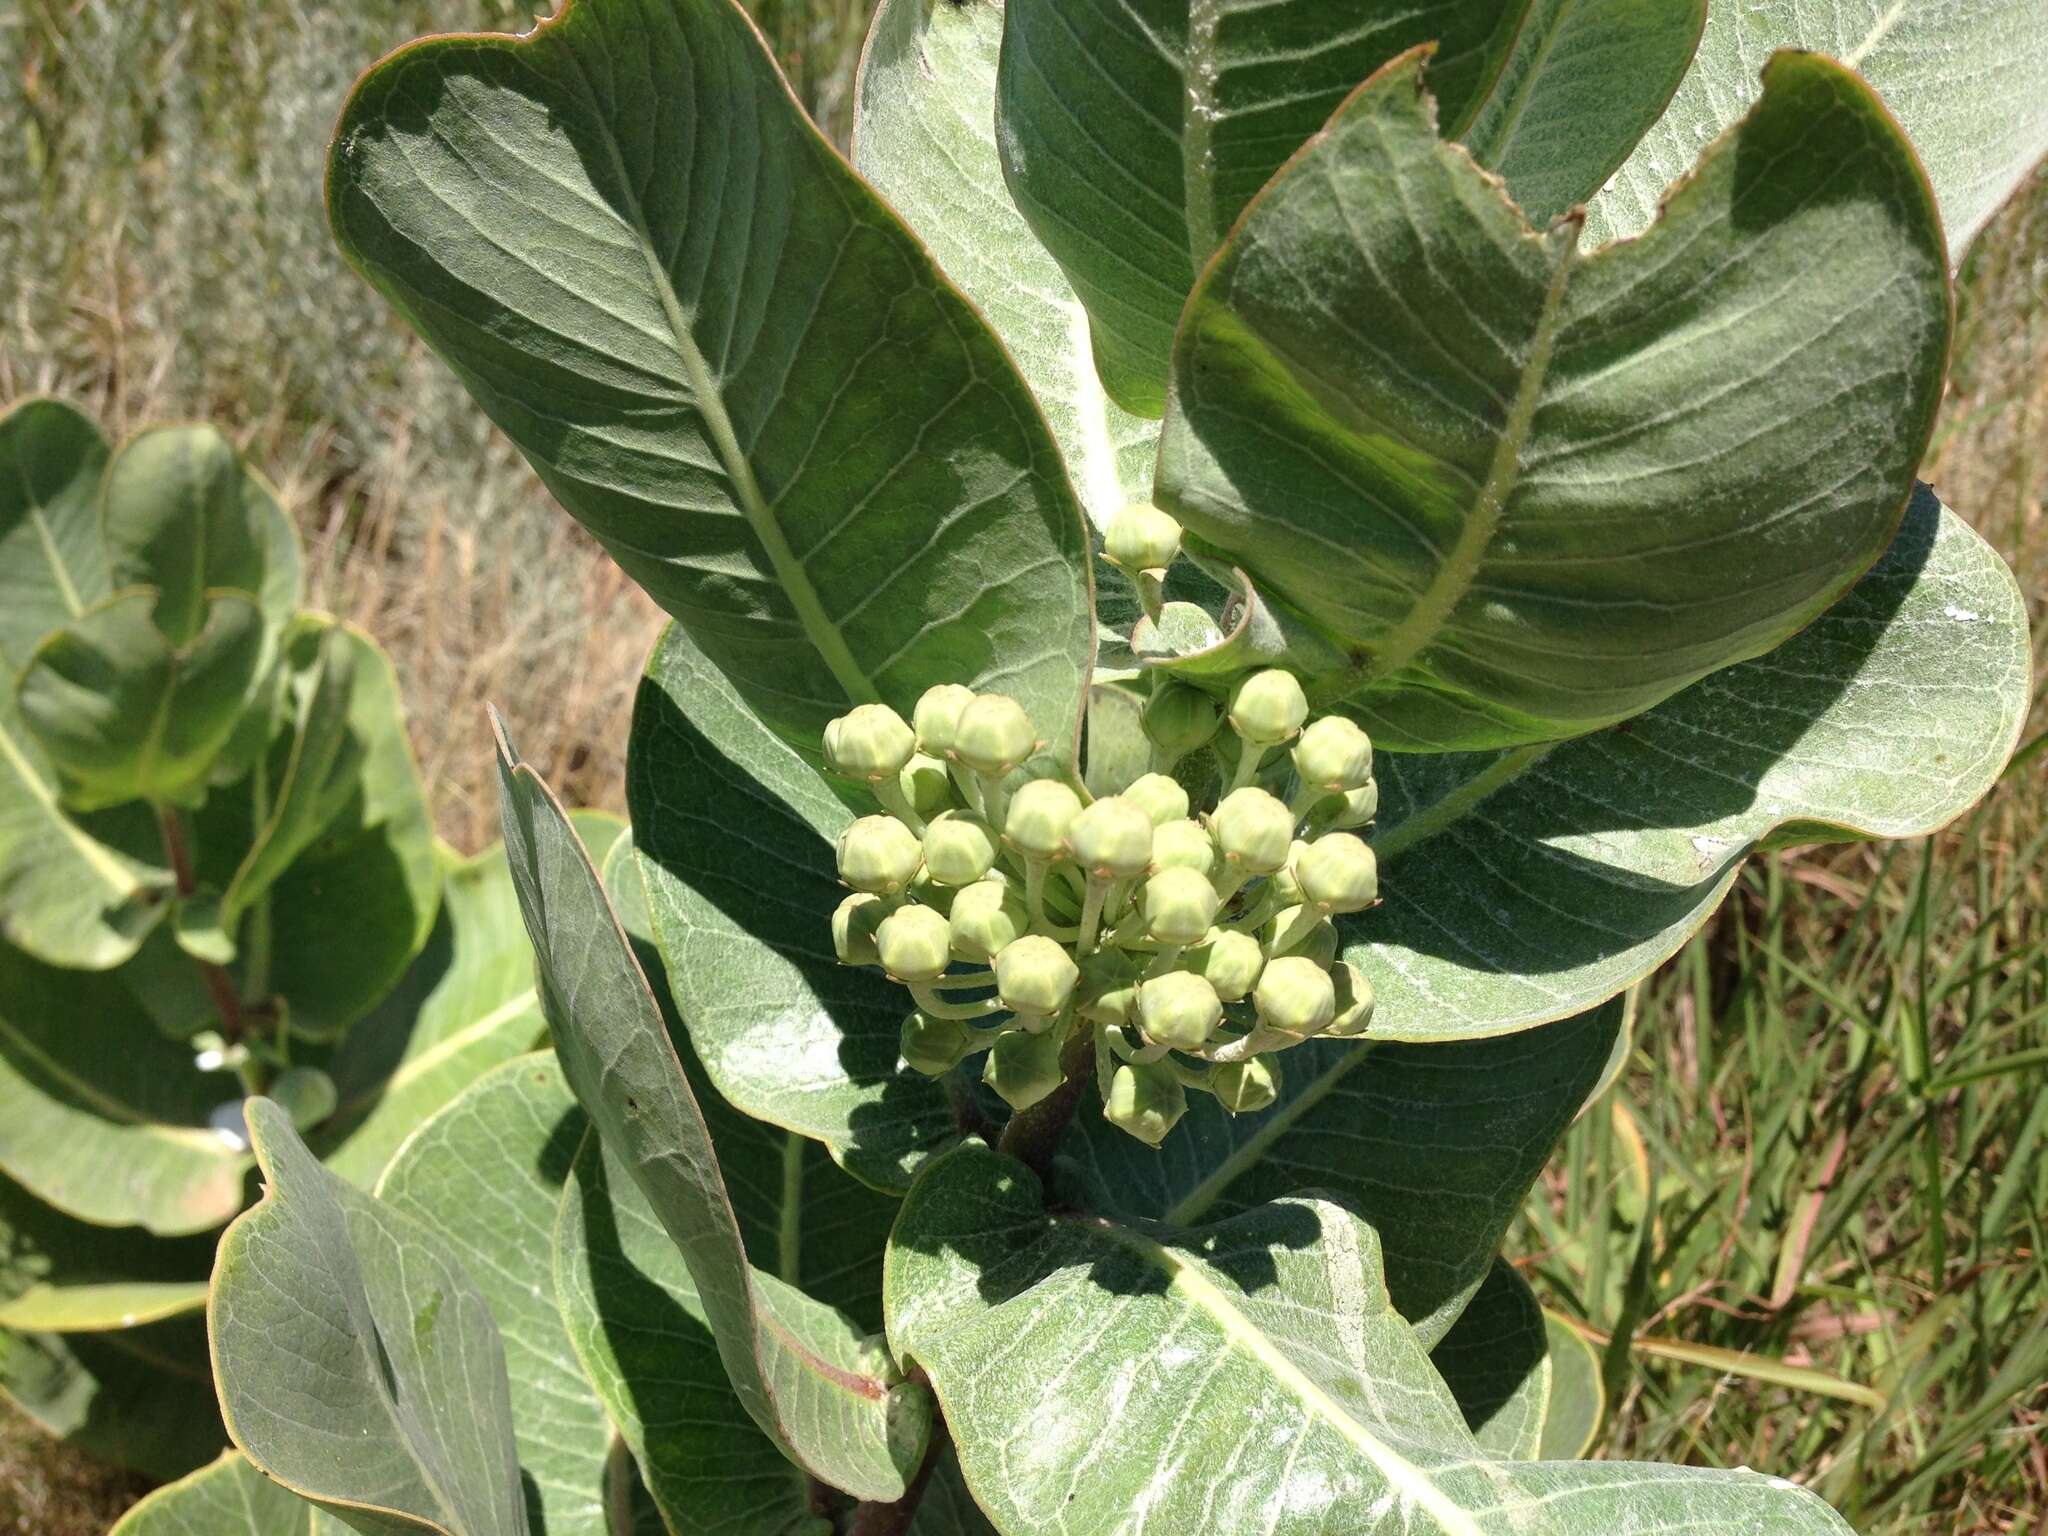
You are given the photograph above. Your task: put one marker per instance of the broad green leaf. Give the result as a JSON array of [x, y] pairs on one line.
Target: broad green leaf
[[181, 517], [1522, 886], [735, 838], [311, 768], [864, 1430], [789, 427], [1582, 81], [138, 1397], [341, 923], [1578, 1400], [647, 1345], [126, 714], [227, 1497], [1967, 79], [357, 1363], [1530, 489], [1134, 134], [1434, 1145], [62, 1275], [466, 1005], [1247, 1375], [924, 133], [486, 1175], [1496, 1361], [804, 1219], [101, 1115], [53, 565], [81, 892]]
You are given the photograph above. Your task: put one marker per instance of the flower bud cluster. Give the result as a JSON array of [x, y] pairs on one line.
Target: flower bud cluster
[[1192, 943]]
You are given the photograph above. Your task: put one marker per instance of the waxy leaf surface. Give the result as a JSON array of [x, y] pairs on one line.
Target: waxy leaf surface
[[1247, 1375], [735, 838], [1967, 80], [1530, 489], [724, 355], [53, 562], [858, 1430], [1525, 885], [62, 1275], [227, 1497], [1496, 1361], [357, 1363], [1134, 134]]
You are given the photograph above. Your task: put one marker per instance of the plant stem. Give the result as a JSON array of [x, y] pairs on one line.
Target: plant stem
[[1034, 1135], [894, 1519], [225, 1000]]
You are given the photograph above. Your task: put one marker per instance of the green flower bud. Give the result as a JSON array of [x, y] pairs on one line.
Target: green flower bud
[[937, 716], [1146, 1100], [1355, 1002], [1254, 830], [915, 944], [1108, 993], [994, 735], [987, 916], [934, 1046], [1245, 1087], [1041, 815], [306, 1094], [1286, 885], [1159, 797], [1268, 707], [854, 922], [869, 742], [1333, 754], [1179, 906], [1231, 963], [1142, 538], [1179, 718], [1295, 995], [1321, 944], [1035, 976], [1023, 1067], [1338, 873], [879, 854], [926, 784], [1184, 845], [1113, 839], [959, 848], [1179, 1009], [1360, 806]]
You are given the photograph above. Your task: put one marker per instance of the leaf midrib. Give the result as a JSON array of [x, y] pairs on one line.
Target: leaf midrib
[[1460, 567], [710, 402], [1197, 133]]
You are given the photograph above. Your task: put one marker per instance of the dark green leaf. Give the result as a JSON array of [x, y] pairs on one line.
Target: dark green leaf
[[1496, 1361], [53, 565], [62, 1275], [138, 1397]]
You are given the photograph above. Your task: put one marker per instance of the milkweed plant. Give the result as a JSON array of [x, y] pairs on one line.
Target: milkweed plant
[[1240, 573]]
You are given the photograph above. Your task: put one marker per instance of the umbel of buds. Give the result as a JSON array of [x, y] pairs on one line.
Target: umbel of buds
[[1193, 943]]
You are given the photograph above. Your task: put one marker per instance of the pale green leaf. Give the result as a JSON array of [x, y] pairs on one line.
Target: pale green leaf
[[465, 1005], [139, 1397], [53, 565], [924, 133], [735, 837], [1134, 134], [1967, 80], [1434, 1145], [1522, 886], [860, 1430], [125, 714], [62, 1275], [1496, 1361], [1578, 1398], [103, 1116], [1247, 1375], [227, 1497], [1531, 490], [788, 427], [357, 1363], [486, 1175]]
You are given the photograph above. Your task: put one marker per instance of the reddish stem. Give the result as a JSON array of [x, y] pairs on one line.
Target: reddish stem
[[218, 983]]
